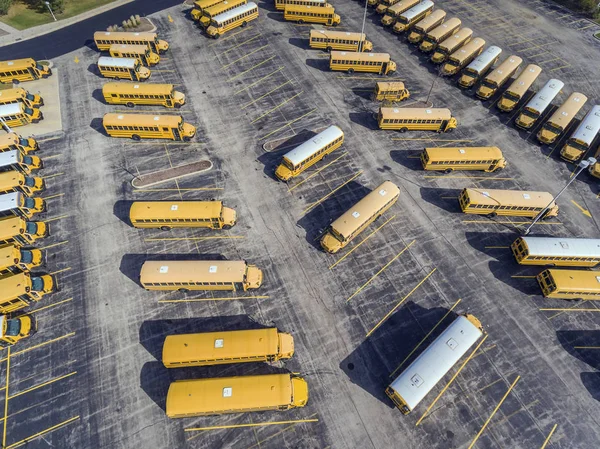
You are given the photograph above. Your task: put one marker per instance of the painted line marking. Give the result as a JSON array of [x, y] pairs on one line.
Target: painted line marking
[[196, 189], [263, 96], [238, 426], [251, 68], [432, 140], [60, 271], [258, 81], [288, 124], [238, 45], [468, 177], [43, 432], [212, 299], [586, 347], [524, 277], [361, 288], [52, 196], [510, 222], [35, 387], [54, 245], [276, 107], [54, 156], [52, 176], [561, 67], [60, 217], [245, 56], [496, 247], [316, 203], [400, 303], [583, 210], [549, 436], [6, 397], [317, 172], [176, 239], [54, 340], [230, 36], [51, 305], [568, 310]]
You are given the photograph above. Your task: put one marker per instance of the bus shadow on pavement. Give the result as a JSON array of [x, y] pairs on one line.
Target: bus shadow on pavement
[[445, 199], [482, 241], [96, 125], [299, 42], [121, 211], [407, 158], [364, 118], [589, 338], [527, 286], [97, 95], [371, 364], [591, 382], [321, 64]]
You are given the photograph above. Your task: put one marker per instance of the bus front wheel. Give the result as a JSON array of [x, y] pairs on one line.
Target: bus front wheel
[[244, 23], [186, 139], [177, 105], [165, 228], [328, 49], [351, 71], [492, 215], [449, 130], [182, 290], [216, 36], [136, 137], [15, 81], [300, 21], [129, 104], [403, 130], [448, 170]]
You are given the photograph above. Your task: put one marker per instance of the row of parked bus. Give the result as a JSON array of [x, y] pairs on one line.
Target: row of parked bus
[[216, 17]]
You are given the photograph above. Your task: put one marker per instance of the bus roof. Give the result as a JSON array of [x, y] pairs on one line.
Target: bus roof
[[185, 348], [308, 148], [326, 9], [463, 153], [141, 210], [507, 66], [217, 8], [219, 18], [14, 285], [201, 4], [589, 126], [417, 9], [9, 157], [451, 42], [442, 29], [432, 18], [141, 119], [145, 88], [10, 109], [10, 200], [188, 397], [364, 209], [433, 364], [359, 56], [559, 246], [390, 85], [485, 58], [10, 179], [130, 48], [525, 79], [337, 34], [16, 64], [416, 113], [9, 139], [12, 94], [125, 35], [11, 226], [544, 97], [187, 270], [468, 49], [401, 6], [577, 280], [128, 63], [565, 113], [494, 197], [7, 255]]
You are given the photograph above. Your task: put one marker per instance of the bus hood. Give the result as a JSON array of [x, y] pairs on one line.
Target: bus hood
[[438, 57], [229, 216], [286, 345], [525, 121], [381, 9], [49, 285], [595, 170], [179, 97], [367, 46], [163, 45], [154, 58], [387, 20], [569, 153], [27, 325], [484, 92], [466, 81], [196, 14], [254, 277], [506, 105], [546, 136], [300, 389], [449, 69], [330, 243], [414, 37], [144, 73], [426, 46], [283, 173], [36, 256], [42, 229], [189, 130], [392, 66]]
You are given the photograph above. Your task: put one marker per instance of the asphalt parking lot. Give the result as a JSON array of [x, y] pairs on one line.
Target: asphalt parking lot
[[92, 377]]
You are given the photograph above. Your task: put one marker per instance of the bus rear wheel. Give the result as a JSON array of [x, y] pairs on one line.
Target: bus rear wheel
[[129, 104], [403, 130], [300, 21], [244, 23], [136, 137], [350, 71], [328, 49], [15, 81], [492, 215], [165, 228], [182, 290], [186, 139]]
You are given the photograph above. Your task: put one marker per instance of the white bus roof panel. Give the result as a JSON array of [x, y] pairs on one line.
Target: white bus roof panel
[[589, 126], [234, 12], [9, 201], [305, 150], [128, 63], [544, 97], [417, 9], [427, 370], [557, 246], [10, 109], [483, 60], [9, 157]]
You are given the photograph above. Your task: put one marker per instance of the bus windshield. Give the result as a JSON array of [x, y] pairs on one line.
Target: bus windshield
[[24, 142], [514, 97], [29, 182], [28, 111], [29, 96], [489, 84], [553, 128], [29, 203], [13, 327], [31, 228], [529, 113], [39, 66], [26, 256], [581, 147]]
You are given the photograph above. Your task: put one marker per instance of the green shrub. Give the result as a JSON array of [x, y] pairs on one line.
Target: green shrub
[[4, 6]]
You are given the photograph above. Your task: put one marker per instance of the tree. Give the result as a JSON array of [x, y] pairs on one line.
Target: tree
[[56, 5], [5, 6]]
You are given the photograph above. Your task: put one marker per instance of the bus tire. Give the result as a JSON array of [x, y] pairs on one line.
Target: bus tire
[[448, 170], [403, 130], [136, 137], [449, 130], [216, 36], [244, 23], [492, 215], [35, 121], [177, 105], [226, 227], [186, 139], [165, 228], [300, 21], [182, 290], [350, 70], [328, 49], [15, 81], [129, 104]]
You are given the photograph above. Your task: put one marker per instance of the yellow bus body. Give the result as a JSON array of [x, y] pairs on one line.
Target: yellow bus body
[[187, 275], [17, 114], [147, 126], [140, 51], [311, 14], [338, 40], [14, 181], [561, 118], [19, 290], [570, 284], [432, 38], [19, 94], [406, 20], [237, 17], [105, 39], [19, 70], [518, 88], [200, 5], [242, 394], [390, 91], [17, 160], [560, 252], [513, 203], [131, 94], [449, 45], [500, 75], [463, 56], [123, 68], [416, 119], [219, 8], [20, 232], [218, 348], [281, 4], [181, 214], [13, 141], [391, 13], [358, 217], [448, 159], [424, 26], [352, 61], [13, 259]]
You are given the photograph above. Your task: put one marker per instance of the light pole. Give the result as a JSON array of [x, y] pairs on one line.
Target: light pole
[[580, 167], [360, 42], [48, 5]]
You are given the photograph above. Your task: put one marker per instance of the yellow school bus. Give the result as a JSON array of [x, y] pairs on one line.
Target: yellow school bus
[[479, 66], [309, 153], [19, 70], [218, 348], [181, 214], [105, 39], [237, 17], [13, 141], [353, 61], [148, 126], [556, 251], [431, 39], [14, 181], [14, 259], [19, 290], [514, 203], [463, 56], [358, 217], [17, 114], [311, 14], [391, 13], [406, 20], [500, 75], [594, 169], [447, 159], [200, 6], [186, 275], [20, 95], [449, 45], [390, 91], [416, 119], [123, 68], [570, 284], [140, 51], [538, 104], [219, 8], [561, 118], [17, 203], [518, 88], [581, 140], [131, 94], [339, 40], [424, 26], [20, 232], [281, 4], [242, 394], [17, 160]]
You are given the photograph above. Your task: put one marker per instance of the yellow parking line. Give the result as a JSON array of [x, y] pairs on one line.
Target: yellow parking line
[[241, 43], [259, 80], [524, 277], [60, 217], [496, 247], [60, 271], [52, 176], [52, 196], [316, 203], [276, 107], [586, 27], [400, 303], [368, 78], [317, 172], [54, 245], [51, 305], [35, 387], [195, 189], [238, 426], [491, 178], [568, 310], [54, 156], [213, 299], [6, 397], [586, 347], [362, 287], [432, 139], [510, 222], [561, 67], [425, 337], [43, 432], [230, 36], [362, 241], [245, 56], [494, 412], [450, 381], [549, 436], [263, 96], [162, 71], [549, 60], [288, 124], [54, 340], [251, 68], [175, 239]]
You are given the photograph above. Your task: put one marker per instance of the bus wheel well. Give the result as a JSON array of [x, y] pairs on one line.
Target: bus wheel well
[[182, 290], [165, 228], [403, 130], [350, 70], [300, 21], [448, 170], [328, 49], [129, 104], [244, 23], [15, 81], [136, 137], [492, 215], [186, 139]]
